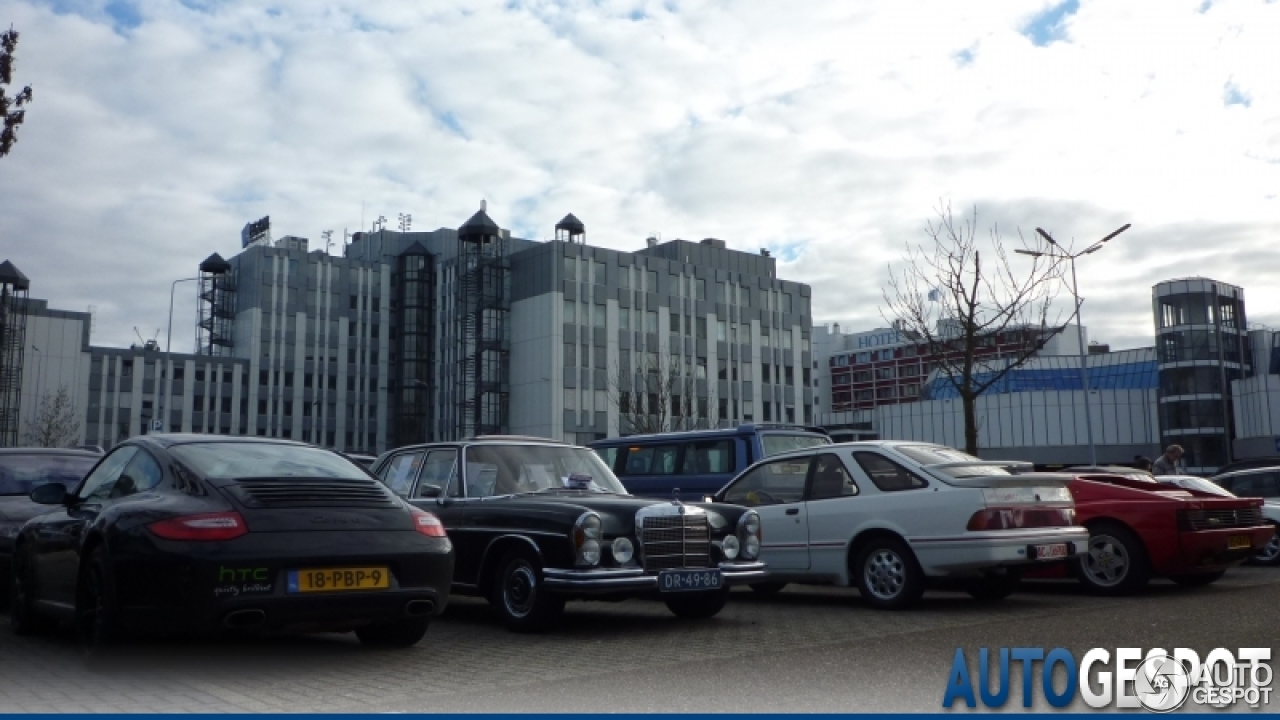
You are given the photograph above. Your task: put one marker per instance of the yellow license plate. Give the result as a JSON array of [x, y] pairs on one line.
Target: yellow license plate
[[339, 579], [1236, 542]]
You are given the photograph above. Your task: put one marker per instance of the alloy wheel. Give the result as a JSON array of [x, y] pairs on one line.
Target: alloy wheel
[[885, 574], [1107, 563]]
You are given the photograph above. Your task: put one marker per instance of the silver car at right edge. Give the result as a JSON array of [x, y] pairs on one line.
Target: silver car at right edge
[[894, 518]]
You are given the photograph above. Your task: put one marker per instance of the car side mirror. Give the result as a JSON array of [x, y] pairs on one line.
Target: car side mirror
[[427, 490], [49, 494]]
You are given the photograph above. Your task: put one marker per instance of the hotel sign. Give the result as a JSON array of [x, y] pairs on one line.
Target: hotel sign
[[877, 339]]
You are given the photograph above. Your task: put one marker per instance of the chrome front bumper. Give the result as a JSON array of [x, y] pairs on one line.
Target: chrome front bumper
[[597, 581]]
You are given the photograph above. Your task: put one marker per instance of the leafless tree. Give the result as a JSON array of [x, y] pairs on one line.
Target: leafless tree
[[655, 394], [56, 424], [975, 322], [11, 106]]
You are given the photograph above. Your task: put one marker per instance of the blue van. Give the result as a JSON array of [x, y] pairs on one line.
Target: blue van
[[697, 463]]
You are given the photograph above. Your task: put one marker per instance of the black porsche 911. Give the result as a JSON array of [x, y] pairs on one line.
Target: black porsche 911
[[196, 533]]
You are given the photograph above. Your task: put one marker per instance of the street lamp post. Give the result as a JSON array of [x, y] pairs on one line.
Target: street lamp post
[[1075, 293], [166, 374]]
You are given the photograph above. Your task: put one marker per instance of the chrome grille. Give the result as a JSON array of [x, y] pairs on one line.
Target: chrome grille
[[676, 541], [313, 493], [1219, 519]]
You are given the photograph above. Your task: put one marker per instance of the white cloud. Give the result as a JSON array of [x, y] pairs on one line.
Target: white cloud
[[831, 128]]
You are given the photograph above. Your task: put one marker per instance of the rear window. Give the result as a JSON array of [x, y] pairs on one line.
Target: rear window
[[775, 443], [20, 474], [936, 454], [247, 460]]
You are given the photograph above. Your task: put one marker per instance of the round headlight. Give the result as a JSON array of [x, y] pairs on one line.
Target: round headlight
[[589, 553], [730, 547], [751, 547], [623, 551], [750, 523], [590, 524]]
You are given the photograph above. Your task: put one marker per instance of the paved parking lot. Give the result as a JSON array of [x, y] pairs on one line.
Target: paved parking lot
[[807, 649]]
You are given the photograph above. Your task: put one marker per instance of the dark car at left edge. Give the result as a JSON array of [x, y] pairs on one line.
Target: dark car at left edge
[[185, 534], [21, 471]]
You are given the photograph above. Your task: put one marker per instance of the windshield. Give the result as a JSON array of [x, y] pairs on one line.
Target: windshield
[[250, 459], [775, 443], [511, 469], [935, 454], [20, 474]]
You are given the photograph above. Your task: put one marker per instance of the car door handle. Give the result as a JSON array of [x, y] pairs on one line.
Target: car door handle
[[793, 511]]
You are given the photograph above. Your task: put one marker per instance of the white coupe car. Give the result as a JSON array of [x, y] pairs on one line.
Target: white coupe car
[[893, 518]]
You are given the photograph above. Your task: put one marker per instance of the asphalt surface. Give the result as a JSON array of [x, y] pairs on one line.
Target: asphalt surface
[[804, 650]]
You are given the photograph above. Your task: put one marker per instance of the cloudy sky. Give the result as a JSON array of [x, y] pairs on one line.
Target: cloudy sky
[[827, 131]]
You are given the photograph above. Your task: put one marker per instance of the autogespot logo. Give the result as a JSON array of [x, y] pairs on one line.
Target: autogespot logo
[[1159, 681]]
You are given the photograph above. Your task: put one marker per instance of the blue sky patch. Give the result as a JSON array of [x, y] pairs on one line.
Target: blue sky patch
[[1050, 25], [1233, 95], [788, 252], [964, 57], [449, 120], [124, 15]]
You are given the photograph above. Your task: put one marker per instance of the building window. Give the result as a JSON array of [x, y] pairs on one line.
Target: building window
[[598, 316], [884, 373], [570, 311], [722, 331], [651, 321]]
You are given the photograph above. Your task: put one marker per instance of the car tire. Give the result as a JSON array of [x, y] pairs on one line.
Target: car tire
[[519, 596], [97, 611], [698, 606], [1115, 561], [994, 587], [888, 575], [22, 618], [399, 634], [767, 588], [1198, 579], [1269, 556]]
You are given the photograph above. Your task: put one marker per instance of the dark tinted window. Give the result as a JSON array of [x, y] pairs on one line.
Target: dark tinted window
[[98, 485], [830, 478], [143, 473], [20, 474], [775, 482], [709, 457], [887, 474], [651, 460], [398, 474], [439, 471]]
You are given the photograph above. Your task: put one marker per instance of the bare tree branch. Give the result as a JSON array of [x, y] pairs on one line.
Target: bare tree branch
[[976, 320], [655, 394], [56, 424]]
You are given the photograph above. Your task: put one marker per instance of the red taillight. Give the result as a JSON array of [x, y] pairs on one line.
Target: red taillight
[[427, 524], [208, 527], [1017, 518]]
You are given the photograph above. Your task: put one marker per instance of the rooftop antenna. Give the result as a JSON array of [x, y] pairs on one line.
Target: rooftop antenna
[[405, 222], [483, 205], [328, 240]]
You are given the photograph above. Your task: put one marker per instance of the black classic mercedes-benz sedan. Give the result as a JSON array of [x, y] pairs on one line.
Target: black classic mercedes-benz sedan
[[198, 533], [536, 522]]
